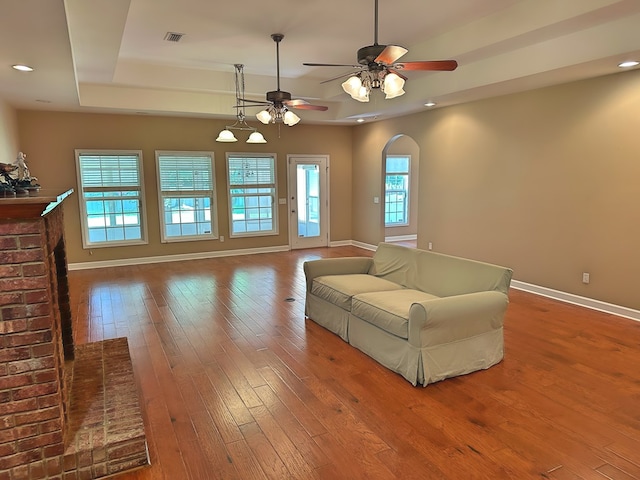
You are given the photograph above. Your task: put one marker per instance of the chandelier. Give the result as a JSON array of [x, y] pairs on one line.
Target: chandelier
[[227, 135], [278, 113], [359, 85]]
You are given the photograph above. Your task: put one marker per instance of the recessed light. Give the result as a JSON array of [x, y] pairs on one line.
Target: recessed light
[[629, 64], [430, 104], [360, 120], [22, 68]]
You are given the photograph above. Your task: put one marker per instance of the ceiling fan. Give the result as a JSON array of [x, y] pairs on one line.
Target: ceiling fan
[[378, 67], [279, 102]]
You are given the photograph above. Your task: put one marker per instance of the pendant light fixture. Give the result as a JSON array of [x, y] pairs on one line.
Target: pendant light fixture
[[226, 135]]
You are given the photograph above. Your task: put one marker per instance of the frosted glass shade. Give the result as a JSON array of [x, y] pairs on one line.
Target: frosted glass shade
[[256, 137], [226, 136], [290, 118], [264, 116], [392, 86]]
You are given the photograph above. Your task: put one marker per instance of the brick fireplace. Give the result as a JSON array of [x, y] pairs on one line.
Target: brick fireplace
[[66, 411]]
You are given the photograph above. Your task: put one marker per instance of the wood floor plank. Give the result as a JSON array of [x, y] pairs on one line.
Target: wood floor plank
[[264, 453], [235, 383], [287, 420]]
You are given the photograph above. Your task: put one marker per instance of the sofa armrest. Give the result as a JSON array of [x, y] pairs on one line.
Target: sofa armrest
[[335, 266], [448, 319]]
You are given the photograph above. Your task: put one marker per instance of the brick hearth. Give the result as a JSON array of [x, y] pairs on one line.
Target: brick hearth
[[66, 411]]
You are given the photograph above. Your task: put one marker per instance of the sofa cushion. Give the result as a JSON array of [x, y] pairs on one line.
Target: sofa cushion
[[338, 289], [388, 310]]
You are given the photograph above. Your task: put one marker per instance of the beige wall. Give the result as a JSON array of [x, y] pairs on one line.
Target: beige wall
[[546, 182], [50, 138], [9, 147]]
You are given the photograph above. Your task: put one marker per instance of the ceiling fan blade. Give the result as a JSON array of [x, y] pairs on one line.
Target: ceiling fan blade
[[320, 108], [259, 102], [261, 105], [391, 70], [340, 76], [304, 105], [390, 54], [329, 65], [437, 65]]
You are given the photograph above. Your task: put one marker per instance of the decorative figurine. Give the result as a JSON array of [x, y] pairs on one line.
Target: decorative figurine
[[23, 170], [6, 182], [16, 180]]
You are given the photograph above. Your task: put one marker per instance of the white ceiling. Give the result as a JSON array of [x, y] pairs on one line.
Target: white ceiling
[[111, 56]]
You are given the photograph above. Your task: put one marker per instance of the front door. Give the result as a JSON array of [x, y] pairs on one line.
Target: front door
[[308, 201]]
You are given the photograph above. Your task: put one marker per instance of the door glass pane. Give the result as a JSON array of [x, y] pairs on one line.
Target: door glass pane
[[308, 195]]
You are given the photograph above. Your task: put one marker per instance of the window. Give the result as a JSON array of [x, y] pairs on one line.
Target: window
[[252, 194], [186, 196], [111, 198], [396, 195]]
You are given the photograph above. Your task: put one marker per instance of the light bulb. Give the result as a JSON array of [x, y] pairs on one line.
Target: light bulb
[[362, 95]]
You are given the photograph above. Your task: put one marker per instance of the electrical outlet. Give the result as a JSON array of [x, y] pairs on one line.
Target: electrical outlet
[[222, 238], [430, 246], [585, 277]]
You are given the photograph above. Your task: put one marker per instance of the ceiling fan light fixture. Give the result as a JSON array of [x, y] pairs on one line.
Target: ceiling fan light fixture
[[226, 136], [256, 137], [392, 86]]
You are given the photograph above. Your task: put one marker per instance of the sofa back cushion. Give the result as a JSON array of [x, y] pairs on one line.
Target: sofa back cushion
[[436, 273]]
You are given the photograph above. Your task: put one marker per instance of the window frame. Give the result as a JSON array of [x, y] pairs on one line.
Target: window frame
[[211, 194], [257, 186], [83, 200], [406, 174]]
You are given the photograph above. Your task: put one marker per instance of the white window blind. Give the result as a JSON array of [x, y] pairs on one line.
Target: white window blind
[[186, 184], [185, 173], [111, 197], [252, 194], [249, 171], [396, 202]]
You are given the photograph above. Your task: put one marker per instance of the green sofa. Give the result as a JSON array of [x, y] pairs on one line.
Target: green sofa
[[424, 315]]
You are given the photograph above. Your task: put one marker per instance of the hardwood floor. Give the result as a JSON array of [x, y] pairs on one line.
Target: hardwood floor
[[235, 384]]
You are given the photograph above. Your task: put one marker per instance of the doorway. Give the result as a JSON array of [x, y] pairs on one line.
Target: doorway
[[400, 174], [308, 201]]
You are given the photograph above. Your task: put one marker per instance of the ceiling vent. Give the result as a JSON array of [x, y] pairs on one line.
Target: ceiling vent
[[173, 36]]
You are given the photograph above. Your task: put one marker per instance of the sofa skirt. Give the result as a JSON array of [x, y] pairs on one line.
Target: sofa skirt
[[395, 353], [463, 356], [328, 315]]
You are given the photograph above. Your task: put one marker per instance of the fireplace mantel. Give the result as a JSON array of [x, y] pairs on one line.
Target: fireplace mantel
[[35, 205]]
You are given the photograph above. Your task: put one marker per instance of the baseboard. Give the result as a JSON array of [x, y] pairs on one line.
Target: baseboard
[[366, 246], [401, 238], [175, 258], [341, 243], [578, 300]]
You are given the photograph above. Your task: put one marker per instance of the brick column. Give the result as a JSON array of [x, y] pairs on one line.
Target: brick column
[[32, 390]]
